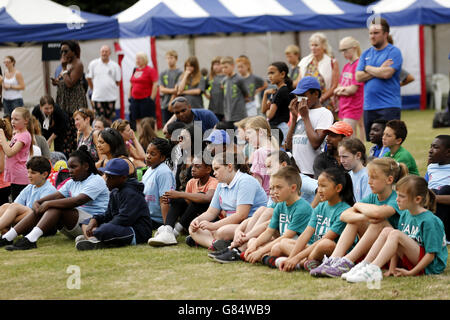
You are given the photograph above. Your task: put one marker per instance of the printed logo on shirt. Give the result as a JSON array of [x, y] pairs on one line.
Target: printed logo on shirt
[[138, 74], [412, 232], [150, 198], [322, 226]]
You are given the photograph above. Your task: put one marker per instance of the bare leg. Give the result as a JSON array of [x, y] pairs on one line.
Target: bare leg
[[323, 247], [378, 244], [226, 232], [348, 237], [398, 242], [13, 214], [202, 237], [365, 243], [286, 246]]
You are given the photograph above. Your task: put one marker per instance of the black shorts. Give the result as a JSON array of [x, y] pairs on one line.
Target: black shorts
[[141, 108]]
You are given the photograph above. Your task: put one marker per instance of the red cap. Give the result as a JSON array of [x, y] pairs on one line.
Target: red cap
[[341, 127]]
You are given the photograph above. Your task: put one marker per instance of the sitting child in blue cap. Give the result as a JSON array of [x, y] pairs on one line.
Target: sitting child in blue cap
[[127, 218]]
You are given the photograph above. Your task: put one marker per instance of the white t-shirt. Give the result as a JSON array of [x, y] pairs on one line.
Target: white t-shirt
[[302, 150], [104, 77]]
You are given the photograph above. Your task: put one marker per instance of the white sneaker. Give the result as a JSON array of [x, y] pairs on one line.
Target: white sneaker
[[158, 231], [279, 260], [353, 270], [368, 273], [164, 238], [79, 238]]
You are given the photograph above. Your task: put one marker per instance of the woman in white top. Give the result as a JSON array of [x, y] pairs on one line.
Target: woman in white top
[[12, 85], [320, 65]]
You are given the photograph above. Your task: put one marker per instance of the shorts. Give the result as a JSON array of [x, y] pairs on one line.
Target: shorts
[[141, 108], [76, 231], [408, 265], [10, 105]]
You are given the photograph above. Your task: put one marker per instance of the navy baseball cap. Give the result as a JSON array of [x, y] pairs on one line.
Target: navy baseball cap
[[116, 167], [305, 84]]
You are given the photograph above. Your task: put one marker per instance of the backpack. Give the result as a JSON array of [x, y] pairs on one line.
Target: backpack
[[441, 119]]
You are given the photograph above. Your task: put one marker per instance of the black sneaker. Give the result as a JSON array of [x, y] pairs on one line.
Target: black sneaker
[[4, 242], [22, 244], [219, 245], [90, 244], [232, 255], [191, 242], [213, 254], [269, 261]]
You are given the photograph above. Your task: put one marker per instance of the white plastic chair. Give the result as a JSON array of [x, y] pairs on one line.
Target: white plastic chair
[[440, 85]]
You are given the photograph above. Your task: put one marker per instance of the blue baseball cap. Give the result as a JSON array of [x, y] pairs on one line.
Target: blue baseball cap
[[218, 137], [116, 167], [305, 84]]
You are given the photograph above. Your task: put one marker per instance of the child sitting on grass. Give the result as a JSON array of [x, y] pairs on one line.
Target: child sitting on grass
[[289, 220], [38, 170], [127, 218], [393, 137], [438, 177], [324, 227], [418, 247]]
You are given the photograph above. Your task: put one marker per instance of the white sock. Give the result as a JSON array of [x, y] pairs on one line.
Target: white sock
[[179, 227], [35, 234], [10, 235]]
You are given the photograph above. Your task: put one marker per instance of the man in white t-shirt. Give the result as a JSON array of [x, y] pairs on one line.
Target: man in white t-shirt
[[309, 122], [104, 77]]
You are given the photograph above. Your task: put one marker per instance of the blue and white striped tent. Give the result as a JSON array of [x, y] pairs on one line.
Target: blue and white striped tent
[[181, 17], [44, 20]]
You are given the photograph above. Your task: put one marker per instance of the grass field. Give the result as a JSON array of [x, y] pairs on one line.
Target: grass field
[[180, 272]]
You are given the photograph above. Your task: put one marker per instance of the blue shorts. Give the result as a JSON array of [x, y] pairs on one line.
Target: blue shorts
[[10, 105]]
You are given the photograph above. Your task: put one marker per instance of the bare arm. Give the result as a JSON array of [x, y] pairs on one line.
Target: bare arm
[[73, 75], [362, 76], [380, 72]]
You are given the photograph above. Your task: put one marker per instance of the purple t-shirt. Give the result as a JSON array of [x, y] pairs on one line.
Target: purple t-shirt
[[15, 167]]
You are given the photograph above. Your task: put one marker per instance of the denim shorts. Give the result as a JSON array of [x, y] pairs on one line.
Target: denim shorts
[[10, 105]]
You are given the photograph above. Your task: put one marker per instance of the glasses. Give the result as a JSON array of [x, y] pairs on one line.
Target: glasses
[[64, 51]]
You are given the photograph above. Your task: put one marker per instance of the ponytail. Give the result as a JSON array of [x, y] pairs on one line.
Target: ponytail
[[339, 176], [282, 67], [390, 167], [284, 157], [415, 186]]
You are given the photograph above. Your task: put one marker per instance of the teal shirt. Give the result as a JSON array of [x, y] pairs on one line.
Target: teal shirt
[[428, 231], [325, 218], [294, 217], [390, 201], [402, 155]]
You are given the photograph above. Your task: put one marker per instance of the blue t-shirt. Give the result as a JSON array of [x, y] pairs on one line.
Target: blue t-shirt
[[390, 201], [243, 189], [294, 217], [377, 151], [207, 117], [428, 231], [360, 181], [382, 93], [309, 187], [326, 217], [94, 187], [157, 182], [31, 193], [438, 175]]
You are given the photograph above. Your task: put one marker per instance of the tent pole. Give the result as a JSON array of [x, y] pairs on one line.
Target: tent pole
[[269, 45], [423, 85]]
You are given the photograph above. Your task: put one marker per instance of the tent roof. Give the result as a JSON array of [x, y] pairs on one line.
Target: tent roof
[[180, 17], [408, 12], [44, 20]]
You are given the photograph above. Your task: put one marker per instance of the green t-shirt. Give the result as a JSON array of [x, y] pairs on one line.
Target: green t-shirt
[[294, 217], [390, 201], [326, 217], [428, 231], [402, 155]]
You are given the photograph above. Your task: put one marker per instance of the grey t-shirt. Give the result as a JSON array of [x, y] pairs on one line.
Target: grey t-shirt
[[168, 78], [234, 91], [197, 100], [216, 92], [252, 83]]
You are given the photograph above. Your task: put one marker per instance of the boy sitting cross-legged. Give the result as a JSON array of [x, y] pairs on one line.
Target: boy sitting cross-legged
[[127, 218], [11, 213]]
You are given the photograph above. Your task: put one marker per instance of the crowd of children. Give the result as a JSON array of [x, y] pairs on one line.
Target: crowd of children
[[280, 183]]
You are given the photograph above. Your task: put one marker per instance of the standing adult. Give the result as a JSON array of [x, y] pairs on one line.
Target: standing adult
[[144, 86], [70, 95], [379, 68], [53, 122], [320, 65], [13, 84], [351, 92], [103, 77]]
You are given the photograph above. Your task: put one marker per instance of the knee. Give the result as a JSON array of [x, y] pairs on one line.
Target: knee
[[326, 245], [283, 244], [386, 231], [221, 234], [276, 250], [394, 235]]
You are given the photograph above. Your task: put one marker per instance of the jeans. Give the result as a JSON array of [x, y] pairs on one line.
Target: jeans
[[10, 105]]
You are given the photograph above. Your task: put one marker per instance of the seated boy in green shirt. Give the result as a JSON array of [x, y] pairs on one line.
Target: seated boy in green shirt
[[393, 137]]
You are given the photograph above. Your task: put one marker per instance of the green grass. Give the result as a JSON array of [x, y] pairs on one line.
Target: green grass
[[181, 272]]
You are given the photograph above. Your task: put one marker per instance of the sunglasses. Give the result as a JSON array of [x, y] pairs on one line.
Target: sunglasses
[[64, 51]]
